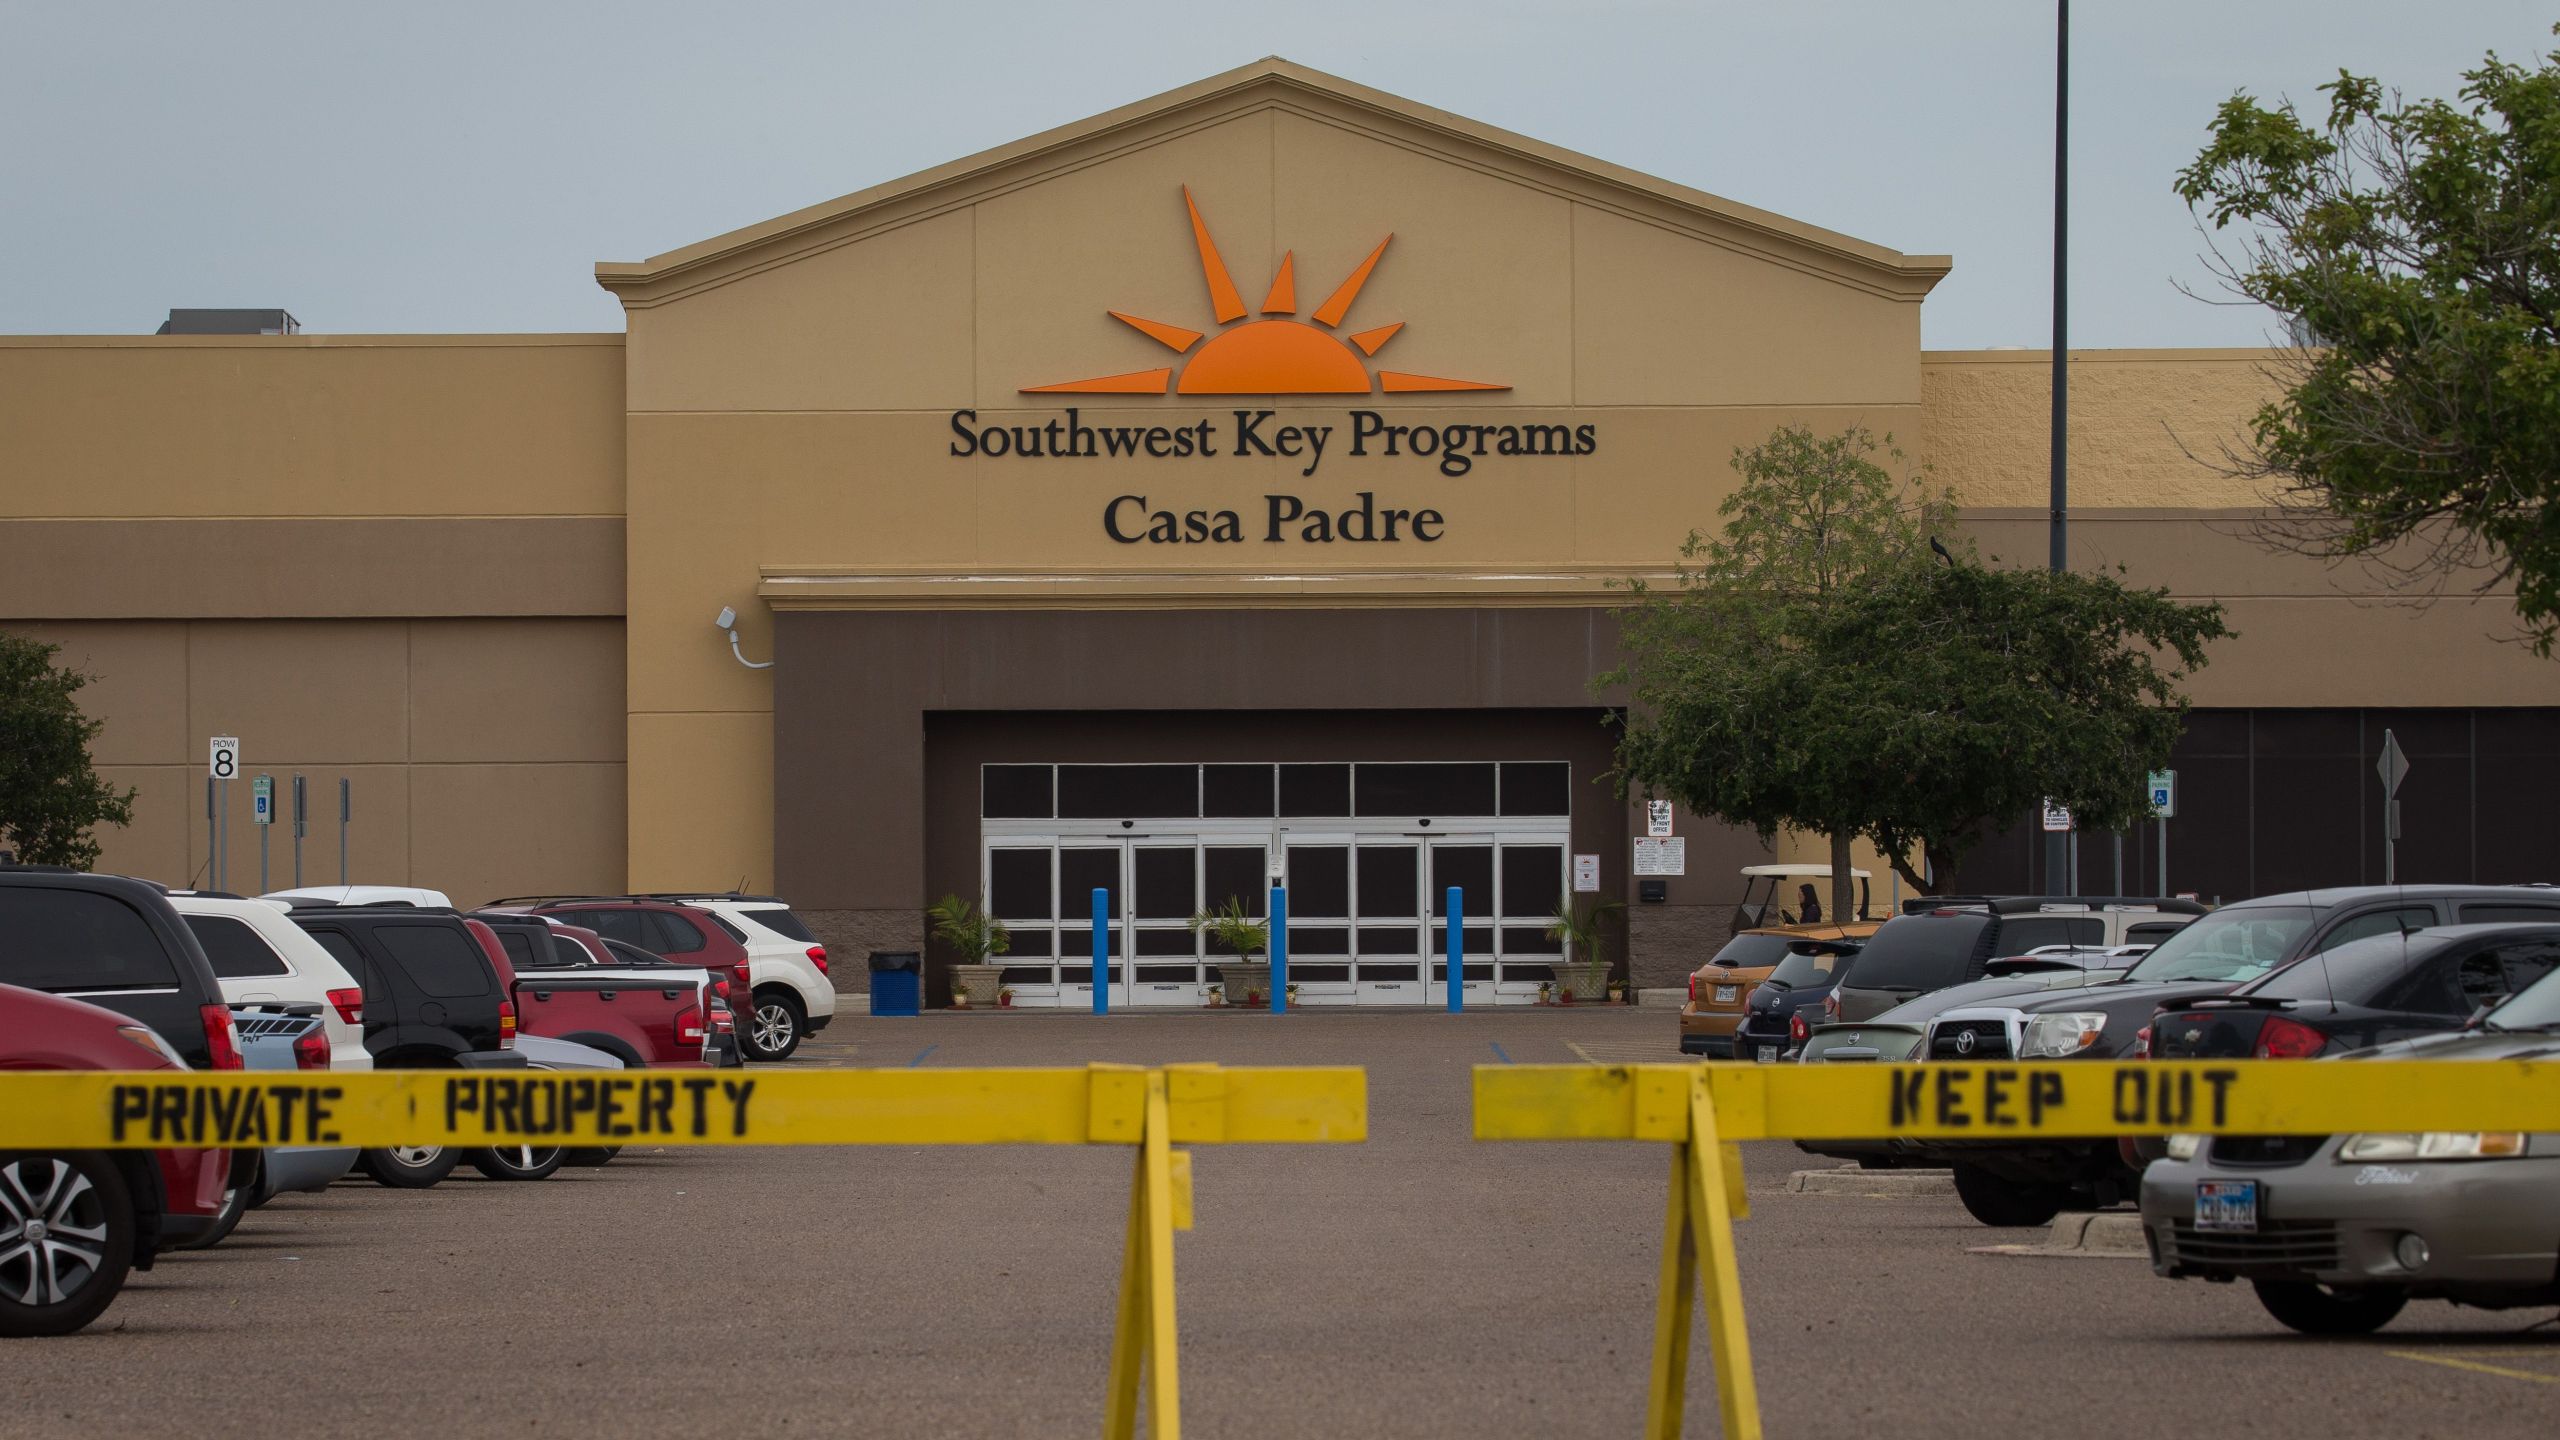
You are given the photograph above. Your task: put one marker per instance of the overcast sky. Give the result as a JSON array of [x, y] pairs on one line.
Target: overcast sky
[[461, 166]]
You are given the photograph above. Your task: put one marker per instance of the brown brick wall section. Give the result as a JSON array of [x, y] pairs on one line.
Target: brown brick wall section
[[1666, 942], [851, 935]]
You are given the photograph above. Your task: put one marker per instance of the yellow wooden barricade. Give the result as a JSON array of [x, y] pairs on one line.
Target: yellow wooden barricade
[[1703, 1110], [1150, 1110]]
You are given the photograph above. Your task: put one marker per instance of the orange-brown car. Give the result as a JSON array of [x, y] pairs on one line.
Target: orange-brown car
[[1719, 989]]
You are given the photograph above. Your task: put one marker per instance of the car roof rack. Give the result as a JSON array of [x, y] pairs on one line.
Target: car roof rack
[[707, 895], [561, 900], [2033, 904]]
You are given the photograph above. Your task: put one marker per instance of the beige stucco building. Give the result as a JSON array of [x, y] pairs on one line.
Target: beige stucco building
[[1065, 455]]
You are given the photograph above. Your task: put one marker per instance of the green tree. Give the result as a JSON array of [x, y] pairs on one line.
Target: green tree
[[1945, 700], [1815, 520], [50, 797], [2413, 248]]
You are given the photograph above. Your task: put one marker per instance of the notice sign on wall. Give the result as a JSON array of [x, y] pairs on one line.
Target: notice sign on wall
[[1662, 857], [1657, 818], [1586, 874]]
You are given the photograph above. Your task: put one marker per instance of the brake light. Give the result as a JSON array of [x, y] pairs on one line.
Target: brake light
[[1693, 989], [746, 982], [722, 1021], [221, 1038], [506, 1024], [818, 957], [689, 1029], [1831, 1005], [311, 1050], [2282, 1039], [720, 986], [1797, 1030], [349, 1004]]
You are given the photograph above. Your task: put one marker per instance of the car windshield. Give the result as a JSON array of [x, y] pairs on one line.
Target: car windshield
[[1752, 950], [2241, 943], [1800, 969], [2535, 1007]]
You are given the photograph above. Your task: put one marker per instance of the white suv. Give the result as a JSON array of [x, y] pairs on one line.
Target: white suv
[[785, 963], [260, 956]]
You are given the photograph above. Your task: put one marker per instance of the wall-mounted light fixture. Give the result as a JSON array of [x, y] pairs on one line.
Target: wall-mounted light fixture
[[728, 620]]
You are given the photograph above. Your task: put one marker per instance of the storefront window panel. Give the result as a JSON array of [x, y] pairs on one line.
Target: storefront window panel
[[1237, 792], [1532, 881], [1016, 792], [1081, 871], [1018, 885], [1470, 868], [1236, 872], [1423, 789], [1389, 876], [1168, 882], [1537, 787], [1315, 790], [1320, 881], [1111, 792]]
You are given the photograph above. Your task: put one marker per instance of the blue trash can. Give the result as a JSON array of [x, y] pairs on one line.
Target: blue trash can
[[897, 982]]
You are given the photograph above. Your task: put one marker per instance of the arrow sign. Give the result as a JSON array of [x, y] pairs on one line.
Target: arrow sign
[[2393, 765]]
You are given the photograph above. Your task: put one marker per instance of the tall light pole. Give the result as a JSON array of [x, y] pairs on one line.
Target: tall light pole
[[2057, 866]]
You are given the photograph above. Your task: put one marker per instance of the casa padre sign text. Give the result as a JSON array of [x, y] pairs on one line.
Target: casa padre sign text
[[1135, 517], [1268, 351]]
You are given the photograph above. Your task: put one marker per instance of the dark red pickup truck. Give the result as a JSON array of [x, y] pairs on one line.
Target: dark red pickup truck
[[655, 1015]]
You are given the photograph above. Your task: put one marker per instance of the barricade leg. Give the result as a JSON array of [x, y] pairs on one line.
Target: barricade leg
[[1145, 1339], [1676, 1296], [1697, 1253]]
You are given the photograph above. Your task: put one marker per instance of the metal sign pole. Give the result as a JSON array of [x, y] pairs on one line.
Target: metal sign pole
[[346, 812], [2393, 767], [2162, 825], [301, 827], [222, 837]]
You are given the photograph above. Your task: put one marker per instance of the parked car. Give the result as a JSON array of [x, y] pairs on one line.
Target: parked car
[[260, 956], [794, 998], [1781, 1007], [653, 1014], [687, 934], [285, 1035], [116, 942], [1720, 990], [74, 1222], [1946, 941], [2021, 1182], [409, 895], [433, 1000], [2338, 1233], [2362, 994]]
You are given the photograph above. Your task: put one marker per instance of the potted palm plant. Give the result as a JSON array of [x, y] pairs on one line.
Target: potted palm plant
[[1583, 928], [978, 937], [1230, 929]]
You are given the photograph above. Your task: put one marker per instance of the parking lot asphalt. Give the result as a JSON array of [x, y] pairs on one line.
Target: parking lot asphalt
[[1418, 1285]]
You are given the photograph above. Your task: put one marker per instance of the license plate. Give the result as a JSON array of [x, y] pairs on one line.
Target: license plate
[[2227, 1205], [1768, 1055], [1725, 993]]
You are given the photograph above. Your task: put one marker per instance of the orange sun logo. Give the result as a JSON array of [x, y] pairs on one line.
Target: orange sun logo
[[1267, 356]]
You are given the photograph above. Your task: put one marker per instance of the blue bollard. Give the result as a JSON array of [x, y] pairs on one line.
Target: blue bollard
[[1279, 950], [1457, 950], [1101, 951]]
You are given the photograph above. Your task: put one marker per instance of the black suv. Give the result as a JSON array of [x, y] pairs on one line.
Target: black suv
[[1941, 941], [432, 1001], [114, 942], [2019, 1182]]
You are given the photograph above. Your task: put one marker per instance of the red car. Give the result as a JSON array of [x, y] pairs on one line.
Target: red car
[[681, 934], [639, 1017], [73, 1222]]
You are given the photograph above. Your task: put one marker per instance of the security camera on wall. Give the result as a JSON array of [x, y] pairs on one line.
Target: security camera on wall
[[728, 619]]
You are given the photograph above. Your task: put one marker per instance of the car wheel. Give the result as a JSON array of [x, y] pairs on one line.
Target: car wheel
[[518, 1162], [1996, 1201], [588, 1158], [236, 1200], [778, 1024], [2330, 1310], [410, 1167], [66, 1240]]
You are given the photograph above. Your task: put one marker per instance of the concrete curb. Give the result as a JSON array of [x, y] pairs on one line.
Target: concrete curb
[[2105, 1235], [1670, 999], [1881, 1184]]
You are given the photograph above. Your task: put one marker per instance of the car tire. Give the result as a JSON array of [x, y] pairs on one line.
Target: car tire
[[237, 1201], [589, 1157], [81, 1195], [410, 1167], [2325, 1310], [776, 1028], [518, 1162], [1994, 1200]]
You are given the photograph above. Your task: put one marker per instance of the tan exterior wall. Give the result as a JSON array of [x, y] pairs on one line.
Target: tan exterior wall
[[486, 755], [2148, 427]]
